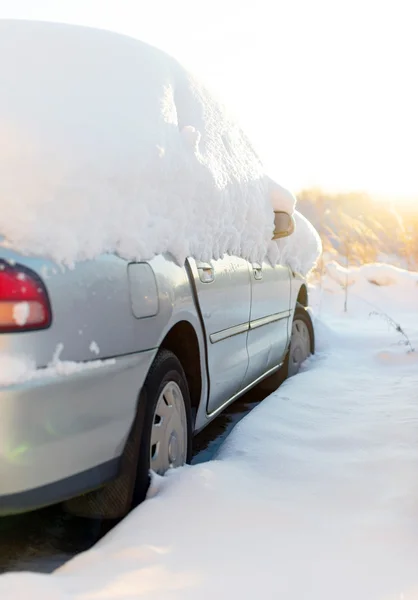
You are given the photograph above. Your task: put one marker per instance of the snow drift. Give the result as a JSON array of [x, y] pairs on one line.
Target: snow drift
[[378, 274], [109, 145]]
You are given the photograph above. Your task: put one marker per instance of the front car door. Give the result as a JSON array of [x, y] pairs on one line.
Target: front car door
[[224, 294], [269, 318]]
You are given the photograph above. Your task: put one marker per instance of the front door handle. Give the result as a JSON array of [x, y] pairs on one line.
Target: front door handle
[[206, 272], [258, 271]]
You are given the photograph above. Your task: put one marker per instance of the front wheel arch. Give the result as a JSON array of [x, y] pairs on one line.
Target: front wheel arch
[[302, 299], [271, 383]]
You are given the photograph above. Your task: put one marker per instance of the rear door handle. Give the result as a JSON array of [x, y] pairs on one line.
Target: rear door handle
[[206, 272], [258, 271]]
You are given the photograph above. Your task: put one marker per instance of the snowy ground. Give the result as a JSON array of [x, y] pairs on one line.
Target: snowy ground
[[313, 495]]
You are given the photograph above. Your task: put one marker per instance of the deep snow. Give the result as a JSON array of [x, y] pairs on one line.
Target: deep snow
[[313, 495], [109, 145]]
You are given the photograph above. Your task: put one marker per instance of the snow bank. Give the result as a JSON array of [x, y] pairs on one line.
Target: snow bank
[[372, 288], [109, 145], [376, 274], [313, 495]]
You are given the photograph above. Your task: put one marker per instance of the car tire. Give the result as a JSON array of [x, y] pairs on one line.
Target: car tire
[[116, 499], [166, 440], [302, 341], [301, 346]]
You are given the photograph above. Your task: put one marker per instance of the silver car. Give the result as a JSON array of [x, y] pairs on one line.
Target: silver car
[[160, 351]]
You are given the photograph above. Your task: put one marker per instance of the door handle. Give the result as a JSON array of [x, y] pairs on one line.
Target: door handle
[[206, 272], [258, 271]]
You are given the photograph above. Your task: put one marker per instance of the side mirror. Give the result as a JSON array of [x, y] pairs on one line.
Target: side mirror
[[284, 225]]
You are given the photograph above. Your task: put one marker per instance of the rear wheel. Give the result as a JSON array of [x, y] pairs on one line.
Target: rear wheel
[[166, 434], [160, 439]]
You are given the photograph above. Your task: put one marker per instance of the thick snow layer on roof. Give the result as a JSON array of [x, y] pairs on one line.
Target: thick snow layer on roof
[[109, 145]]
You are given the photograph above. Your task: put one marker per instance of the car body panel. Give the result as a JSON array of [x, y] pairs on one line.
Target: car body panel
[[83, 298], [57, 425], [71, 429], [224, 294], [270, 303]]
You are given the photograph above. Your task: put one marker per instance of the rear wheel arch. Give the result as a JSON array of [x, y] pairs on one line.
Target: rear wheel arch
[[270, 384], [183, 342]]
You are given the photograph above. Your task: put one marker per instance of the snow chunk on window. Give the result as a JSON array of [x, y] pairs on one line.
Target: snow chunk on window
[[109, 145]]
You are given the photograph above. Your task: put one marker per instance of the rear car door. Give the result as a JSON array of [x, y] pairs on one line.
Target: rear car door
[[269, 318], [223, 291]]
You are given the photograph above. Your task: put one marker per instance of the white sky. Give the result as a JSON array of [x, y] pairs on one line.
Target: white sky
[[327, 89]]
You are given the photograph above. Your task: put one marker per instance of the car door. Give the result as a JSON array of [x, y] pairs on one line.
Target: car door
[[269, 318], [224, 294]]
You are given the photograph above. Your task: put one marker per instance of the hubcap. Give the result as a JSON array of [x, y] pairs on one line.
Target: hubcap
[[168, 448], [300, 346], [172, 448]]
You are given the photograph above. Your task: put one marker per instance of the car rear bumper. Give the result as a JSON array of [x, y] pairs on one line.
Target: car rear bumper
[[62, 435]]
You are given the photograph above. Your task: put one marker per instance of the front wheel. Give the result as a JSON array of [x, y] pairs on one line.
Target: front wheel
[[302, 343]]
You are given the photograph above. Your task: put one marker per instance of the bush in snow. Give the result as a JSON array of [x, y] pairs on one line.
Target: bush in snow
[[406, 341]]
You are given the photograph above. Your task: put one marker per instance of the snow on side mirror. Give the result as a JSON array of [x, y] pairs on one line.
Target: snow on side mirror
[[284, 225]]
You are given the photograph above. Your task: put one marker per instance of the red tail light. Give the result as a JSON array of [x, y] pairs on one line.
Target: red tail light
[[24, 303]]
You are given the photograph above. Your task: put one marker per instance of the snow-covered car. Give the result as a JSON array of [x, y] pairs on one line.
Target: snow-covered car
[[117, 167], [170, 348]]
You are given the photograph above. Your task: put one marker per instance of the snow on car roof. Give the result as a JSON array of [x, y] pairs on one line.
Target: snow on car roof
[[109, 145]]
